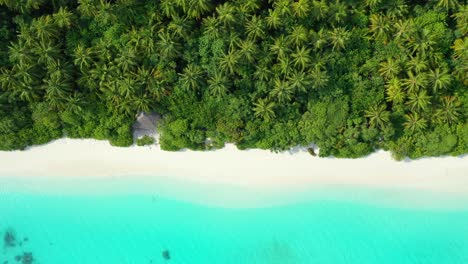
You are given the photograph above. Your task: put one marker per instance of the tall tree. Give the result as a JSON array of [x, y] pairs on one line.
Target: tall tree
[[414, 122], [264, 109], [439, 79], [389, 69], [218, 84], [301, 57], [255, 28], [378, 116], [415, 82], [338, 38], [191, 77], [282, 91], [419, 101], [449, 112], [229, 61]]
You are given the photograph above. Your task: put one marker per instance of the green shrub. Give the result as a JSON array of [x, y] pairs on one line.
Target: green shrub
[[145, 141]]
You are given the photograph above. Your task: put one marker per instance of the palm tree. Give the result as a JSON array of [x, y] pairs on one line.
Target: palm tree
[[74, 103], [264, 109], [87, 8], [141, 103], [403, 29], [56, 88], [379, 27], [279, 46], [298, 35], [448, 4], [56, 103], [44, 28], [226, 13], [417, 64], [103, 50], [168, 8], [319, 78], [419, 101], [60, 69], [421, 41], [396, 8], [183, 4], [460, 59], [229, 61], [262, 72], [233, 39], [414, 122], [301, 57], [126, 86], [284, 65], [394, 91], [319, 10], [124, 107], [63, 18], [389, 69], [87, 80], [83, 57], [126, 59], [218, 84], [250, 6], [179, 26], [27, 34], [338, 38], [168, 47], [439, 79], [378, 116], [22, 6], [105, 14], [320, 39], [460, 48], [462, 19], [24, 73], [8, 79], [283, 7], [414, 82], [197, 8], [372, 4], [47, 52], [191, 78], [100, 76], [20, 53], [299, 81], [211, 27], [282, 91], [155, 83], [247, 49], [337, 12], [301, 8], [450, 110], [27, 93], [255, 28], [273, 19]]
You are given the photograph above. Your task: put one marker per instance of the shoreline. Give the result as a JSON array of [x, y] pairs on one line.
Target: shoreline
[[258, 172]]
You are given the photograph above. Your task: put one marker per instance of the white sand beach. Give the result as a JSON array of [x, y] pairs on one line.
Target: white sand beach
[[256, 171]]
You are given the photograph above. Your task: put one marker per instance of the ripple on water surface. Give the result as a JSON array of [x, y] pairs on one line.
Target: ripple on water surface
[[142, 228]]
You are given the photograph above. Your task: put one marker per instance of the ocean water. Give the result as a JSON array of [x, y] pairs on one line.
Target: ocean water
[[139, 227]]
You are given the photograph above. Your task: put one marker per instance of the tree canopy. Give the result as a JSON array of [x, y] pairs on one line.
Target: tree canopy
[[349, 76]]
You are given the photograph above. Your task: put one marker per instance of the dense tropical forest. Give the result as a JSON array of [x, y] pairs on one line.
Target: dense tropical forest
[[351, 76]]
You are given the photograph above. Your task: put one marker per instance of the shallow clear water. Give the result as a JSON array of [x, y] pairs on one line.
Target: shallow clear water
[[138, 228]]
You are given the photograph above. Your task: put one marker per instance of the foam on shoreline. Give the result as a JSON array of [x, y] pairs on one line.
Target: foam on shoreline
[[259, 173]]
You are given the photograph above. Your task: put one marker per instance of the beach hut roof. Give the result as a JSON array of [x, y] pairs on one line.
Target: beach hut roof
[[145, 123]]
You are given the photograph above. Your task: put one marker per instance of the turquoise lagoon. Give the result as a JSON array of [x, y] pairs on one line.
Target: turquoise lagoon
[[76, 225]]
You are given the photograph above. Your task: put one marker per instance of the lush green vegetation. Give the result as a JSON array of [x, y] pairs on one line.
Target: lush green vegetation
[[351, 76], [145, 141]]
